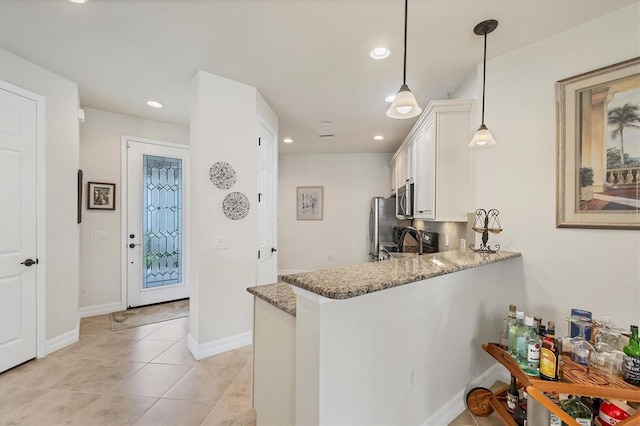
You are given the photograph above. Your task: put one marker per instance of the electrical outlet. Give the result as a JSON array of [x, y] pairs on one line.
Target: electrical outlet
[[463, 244], [100, 235], [221, 243], [412, 377]]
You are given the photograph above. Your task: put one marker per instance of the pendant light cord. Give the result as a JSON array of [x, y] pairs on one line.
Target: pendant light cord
[[484, 72], [404, 67]]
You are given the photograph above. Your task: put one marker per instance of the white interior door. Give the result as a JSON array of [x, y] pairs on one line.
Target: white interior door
[[157, 201], [18, 203], [268, 195]]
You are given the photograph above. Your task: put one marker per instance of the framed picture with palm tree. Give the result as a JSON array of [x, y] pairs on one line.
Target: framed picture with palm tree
[[598, 157]]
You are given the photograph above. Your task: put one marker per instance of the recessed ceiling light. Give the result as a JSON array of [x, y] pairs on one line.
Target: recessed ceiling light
[[379, 53], [79, 1], [154, 104], [390, 98], [378, 137], [287, 140]]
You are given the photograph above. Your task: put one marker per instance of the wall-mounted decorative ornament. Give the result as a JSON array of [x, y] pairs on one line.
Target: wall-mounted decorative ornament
[[235, 206], [222, 175]]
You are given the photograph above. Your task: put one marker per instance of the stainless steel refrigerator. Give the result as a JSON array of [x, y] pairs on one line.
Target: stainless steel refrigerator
[[382, 219]]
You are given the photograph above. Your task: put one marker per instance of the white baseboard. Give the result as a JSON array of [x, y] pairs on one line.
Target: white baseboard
[[219, 346], [107, 308], [291, 271], [61, 341], [452, 409]]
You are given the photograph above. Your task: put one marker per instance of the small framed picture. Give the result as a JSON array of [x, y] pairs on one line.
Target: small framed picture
[[101, 196], [309, 202]]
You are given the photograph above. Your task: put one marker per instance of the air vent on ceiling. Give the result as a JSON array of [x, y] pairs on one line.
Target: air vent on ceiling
[[326, 136]]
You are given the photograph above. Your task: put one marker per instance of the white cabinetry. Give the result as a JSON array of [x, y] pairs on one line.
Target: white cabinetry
[[440, 174]]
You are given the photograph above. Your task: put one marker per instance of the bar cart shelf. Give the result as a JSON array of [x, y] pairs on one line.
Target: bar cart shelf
[[575, 381]]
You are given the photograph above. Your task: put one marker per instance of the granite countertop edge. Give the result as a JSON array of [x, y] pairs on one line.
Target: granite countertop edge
[[280, 295], [357, 280]]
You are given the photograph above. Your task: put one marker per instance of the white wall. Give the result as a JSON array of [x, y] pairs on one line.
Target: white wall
[[349, 181], [594, 269], [223, 128], [100, 160], [62, 142]]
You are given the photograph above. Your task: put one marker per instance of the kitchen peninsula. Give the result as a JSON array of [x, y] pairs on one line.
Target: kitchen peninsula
[[392, 342]]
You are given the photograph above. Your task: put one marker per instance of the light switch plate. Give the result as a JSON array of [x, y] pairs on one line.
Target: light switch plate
[[221, 243], [100, 235]]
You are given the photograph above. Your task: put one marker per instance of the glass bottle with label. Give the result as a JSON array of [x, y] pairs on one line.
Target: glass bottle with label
[[578, 410], [529, 349], [550, 355], [506, 324], [514, 330], [631, 359], [512, 396]]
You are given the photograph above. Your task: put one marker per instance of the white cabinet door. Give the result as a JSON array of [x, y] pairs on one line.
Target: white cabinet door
[[401, 168], [394, 186], [411, 161], [425, 187]]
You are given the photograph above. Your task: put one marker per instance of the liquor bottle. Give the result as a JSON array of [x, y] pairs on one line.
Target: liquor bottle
[[631, 359], [529, 349], [513, 333], [550, 355], [537, 322], [576, 409], [506, 324], [520, 415], [512, 395]]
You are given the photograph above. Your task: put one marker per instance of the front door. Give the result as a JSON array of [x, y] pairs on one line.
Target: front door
[[156, 210], [18, 203]]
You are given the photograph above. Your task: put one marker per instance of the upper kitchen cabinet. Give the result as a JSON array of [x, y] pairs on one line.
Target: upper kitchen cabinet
[[440, 138]]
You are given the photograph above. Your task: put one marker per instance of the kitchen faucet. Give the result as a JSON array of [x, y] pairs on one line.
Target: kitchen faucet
[[418, 235]]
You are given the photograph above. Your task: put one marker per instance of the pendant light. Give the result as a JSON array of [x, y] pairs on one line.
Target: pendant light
[[404, 105], [483, 137]]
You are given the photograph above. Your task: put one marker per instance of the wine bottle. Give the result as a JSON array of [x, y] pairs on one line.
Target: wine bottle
[[512, 396], [631, 359]]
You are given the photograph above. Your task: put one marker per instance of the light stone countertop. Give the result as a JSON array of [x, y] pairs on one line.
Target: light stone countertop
[[357, 280], [279, 295]]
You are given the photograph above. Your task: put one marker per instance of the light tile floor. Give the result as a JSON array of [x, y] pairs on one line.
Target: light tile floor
[[142, 376], [468, 419]]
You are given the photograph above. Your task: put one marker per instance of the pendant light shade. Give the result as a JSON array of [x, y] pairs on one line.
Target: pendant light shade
[[483, 137], [405, 104]]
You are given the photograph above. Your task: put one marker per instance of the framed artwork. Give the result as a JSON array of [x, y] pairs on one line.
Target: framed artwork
[[309, 202], [101, 196], [598, 156]]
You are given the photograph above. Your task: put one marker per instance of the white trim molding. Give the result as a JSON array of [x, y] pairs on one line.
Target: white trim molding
[[107, 308], [200, 351], [62, 341], [456, 405]]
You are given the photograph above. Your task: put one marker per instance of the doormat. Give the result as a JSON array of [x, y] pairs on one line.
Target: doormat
[[135, 317]]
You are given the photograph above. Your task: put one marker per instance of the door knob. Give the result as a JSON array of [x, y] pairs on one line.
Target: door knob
[[273, 249], [29, 262], [133, 245], [132, 236]]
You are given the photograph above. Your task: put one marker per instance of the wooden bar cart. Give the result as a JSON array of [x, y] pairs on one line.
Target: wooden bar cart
[[575, 381]]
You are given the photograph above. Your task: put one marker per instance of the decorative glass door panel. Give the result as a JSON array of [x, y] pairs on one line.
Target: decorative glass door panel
[[162, 221]]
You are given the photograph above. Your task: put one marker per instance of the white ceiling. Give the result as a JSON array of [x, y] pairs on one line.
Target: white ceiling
[[308, 58]]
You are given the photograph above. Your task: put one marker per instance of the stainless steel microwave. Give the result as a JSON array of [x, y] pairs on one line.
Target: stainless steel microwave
[[404, 201]]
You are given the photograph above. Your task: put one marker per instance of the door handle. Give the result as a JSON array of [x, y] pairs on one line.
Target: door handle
[[133, 245], [29, 262], [273, 249]]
